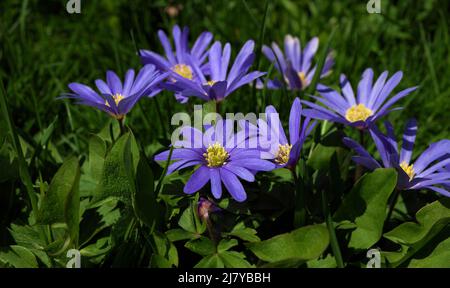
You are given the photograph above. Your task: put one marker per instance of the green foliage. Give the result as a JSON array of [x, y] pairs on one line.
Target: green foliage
[[61, 203], [302, 244], [365, 206]]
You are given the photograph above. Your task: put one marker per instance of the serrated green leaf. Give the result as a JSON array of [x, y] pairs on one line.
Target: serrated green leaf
[[202, 246], [365, 206], [180, 234], [211, 261], [18, 257], [233, 259], [226, 244]]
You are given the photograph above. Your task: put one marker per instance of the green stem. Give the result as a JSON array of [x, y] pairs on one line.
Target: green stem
[[359, 167], [392, 204], [330, 225], [300, 203], [122, 126]]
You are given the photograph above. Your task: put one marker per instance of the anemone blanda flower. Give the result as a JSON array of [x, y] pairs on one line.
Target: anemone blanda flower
[[221, 158], [283, 152], [220, 82], [371, 103], [424, 173], [178, 60], [295, 64], [117, 98]]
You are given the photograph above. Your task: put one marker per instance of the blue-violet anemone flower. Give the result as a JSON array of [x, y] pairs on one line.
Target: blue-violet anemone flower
[[220, 82], [272, 138], [219, 159], [371, 103], [424, 173], [117, 99], [295, 66], [179, 60]]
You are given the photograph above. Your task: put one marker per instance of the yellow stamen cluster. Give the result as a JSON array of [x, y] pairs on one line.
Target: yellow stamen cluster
[[409, 169], [211, 82], [358, 113], [183, 70], [302, 77], [282, 155], [216, 155], [117, 98]]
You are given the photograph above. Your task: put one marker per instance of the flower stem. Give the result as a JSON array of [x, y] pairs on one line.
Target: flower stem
[[300, 204], [359, 167], [330, 225], [392, 204], [122, 126]]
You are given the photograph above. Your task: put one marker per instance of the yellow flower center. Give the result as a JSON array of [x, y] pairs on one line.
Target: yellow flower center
[[211, 82], [358, 113], [183, 70], [409, 169], [117, 98], [216, 155], [302, 77], [282, 155]]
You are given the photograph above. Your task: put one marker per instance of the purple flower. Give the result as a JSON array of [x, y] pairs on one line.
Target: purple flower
[[371, 103], [220, 82], [284, 152], [295, 64], [114, 98], [426, 172], [179, 60], [219, 159]]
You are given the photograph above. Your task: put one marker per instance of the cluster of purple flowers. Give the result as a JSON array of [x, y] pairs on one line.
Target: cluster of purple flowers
[[207, 72]]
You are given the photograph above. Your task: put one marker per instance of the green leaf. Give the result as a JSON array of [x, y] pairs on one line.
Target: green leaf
[[245, 233], [97, 152], [144, 200], [61, 204], [327, 262], [28, 237], [180, 234], [226, 244], [305, 243], [365, 206], [433, 216], [211, 261], [165, 254], [233, 259], [438, 258], [18, 257], [115, 180], [202, 246], [190, 221], [413, 237]]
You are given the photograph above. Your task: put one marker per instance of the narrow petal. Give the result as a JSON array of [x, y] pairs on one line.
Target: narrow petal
[[198, 179], [233, 185], [347, 90], [365, 87], [216, 183], [114, 82], [295, 121], [409, 137]]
